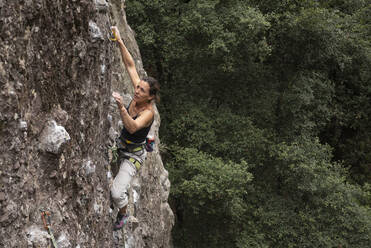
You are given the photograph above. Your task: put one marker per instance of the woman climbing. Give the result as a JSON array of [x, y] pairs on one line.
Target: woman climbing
[[137, 119]]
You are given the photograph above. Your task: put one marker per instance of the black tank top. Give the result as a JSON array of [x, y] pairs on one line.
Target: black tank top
[[137, 137]]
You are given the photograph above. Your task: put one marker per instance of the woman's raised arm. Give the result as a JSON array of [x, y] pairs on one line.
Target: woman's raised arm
[[127, 58]]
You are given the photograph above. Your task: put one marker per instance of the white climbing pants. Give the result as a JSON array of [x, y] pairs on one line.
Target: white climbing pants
[[122, 181]]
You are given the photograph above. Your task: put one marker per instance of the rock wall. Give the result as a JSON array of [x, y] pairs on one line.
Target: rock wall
[[57, 121]]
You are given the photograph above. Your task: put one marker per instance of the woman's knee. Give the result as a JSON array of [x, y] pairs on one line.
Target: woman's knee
[[115, 193], [119, 197]]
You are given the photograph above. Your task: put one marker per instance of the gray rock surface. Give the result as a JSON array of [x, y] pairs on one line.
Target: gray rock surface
[[57, 73], [53, 137]]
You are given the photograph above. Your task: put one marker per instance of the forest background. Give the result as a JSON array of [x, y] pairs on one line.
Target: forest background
[[266, 118]]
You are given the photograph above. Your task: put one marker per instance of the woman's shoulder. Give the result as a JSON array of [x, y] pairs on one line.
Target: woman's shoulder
[[148, 110]]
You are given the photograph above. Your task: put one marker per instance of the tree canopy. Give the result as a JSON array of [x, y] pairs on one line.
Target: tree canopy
[[266, 109]]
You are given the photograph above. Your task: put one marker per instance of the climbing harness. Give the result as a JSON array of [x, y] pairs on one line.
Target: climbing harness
[[135, 162], [127, 145], [47, 226]]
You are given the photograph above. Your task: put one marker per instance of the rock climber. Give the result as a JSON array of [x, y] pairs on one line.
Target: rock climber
[[137, 119]]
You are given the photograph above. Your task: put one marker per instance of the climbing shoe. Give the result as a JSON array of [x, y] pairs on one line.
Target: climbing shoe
[[121, 220]]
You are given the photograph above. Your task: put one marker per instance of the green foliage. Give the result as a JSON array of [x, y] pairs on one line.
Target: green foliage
[[325, 207], [191, 126], [216, 131], [209, 194], [306, 104], [297, 199], [266, 116], [199, 41], [345, 6], [306, 202]]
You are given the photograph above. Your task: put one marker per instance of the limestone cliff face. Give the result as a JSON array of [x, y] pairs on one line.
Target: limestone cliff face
[[57, 121]]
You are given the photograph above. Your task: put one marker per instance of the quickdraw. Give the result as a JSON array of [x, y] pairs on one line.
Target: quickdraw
[[114, 153], [47, 226]]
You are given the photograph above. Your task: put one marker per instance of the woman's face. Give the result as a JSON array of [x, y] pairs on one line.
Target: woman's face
[[142, 92]]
